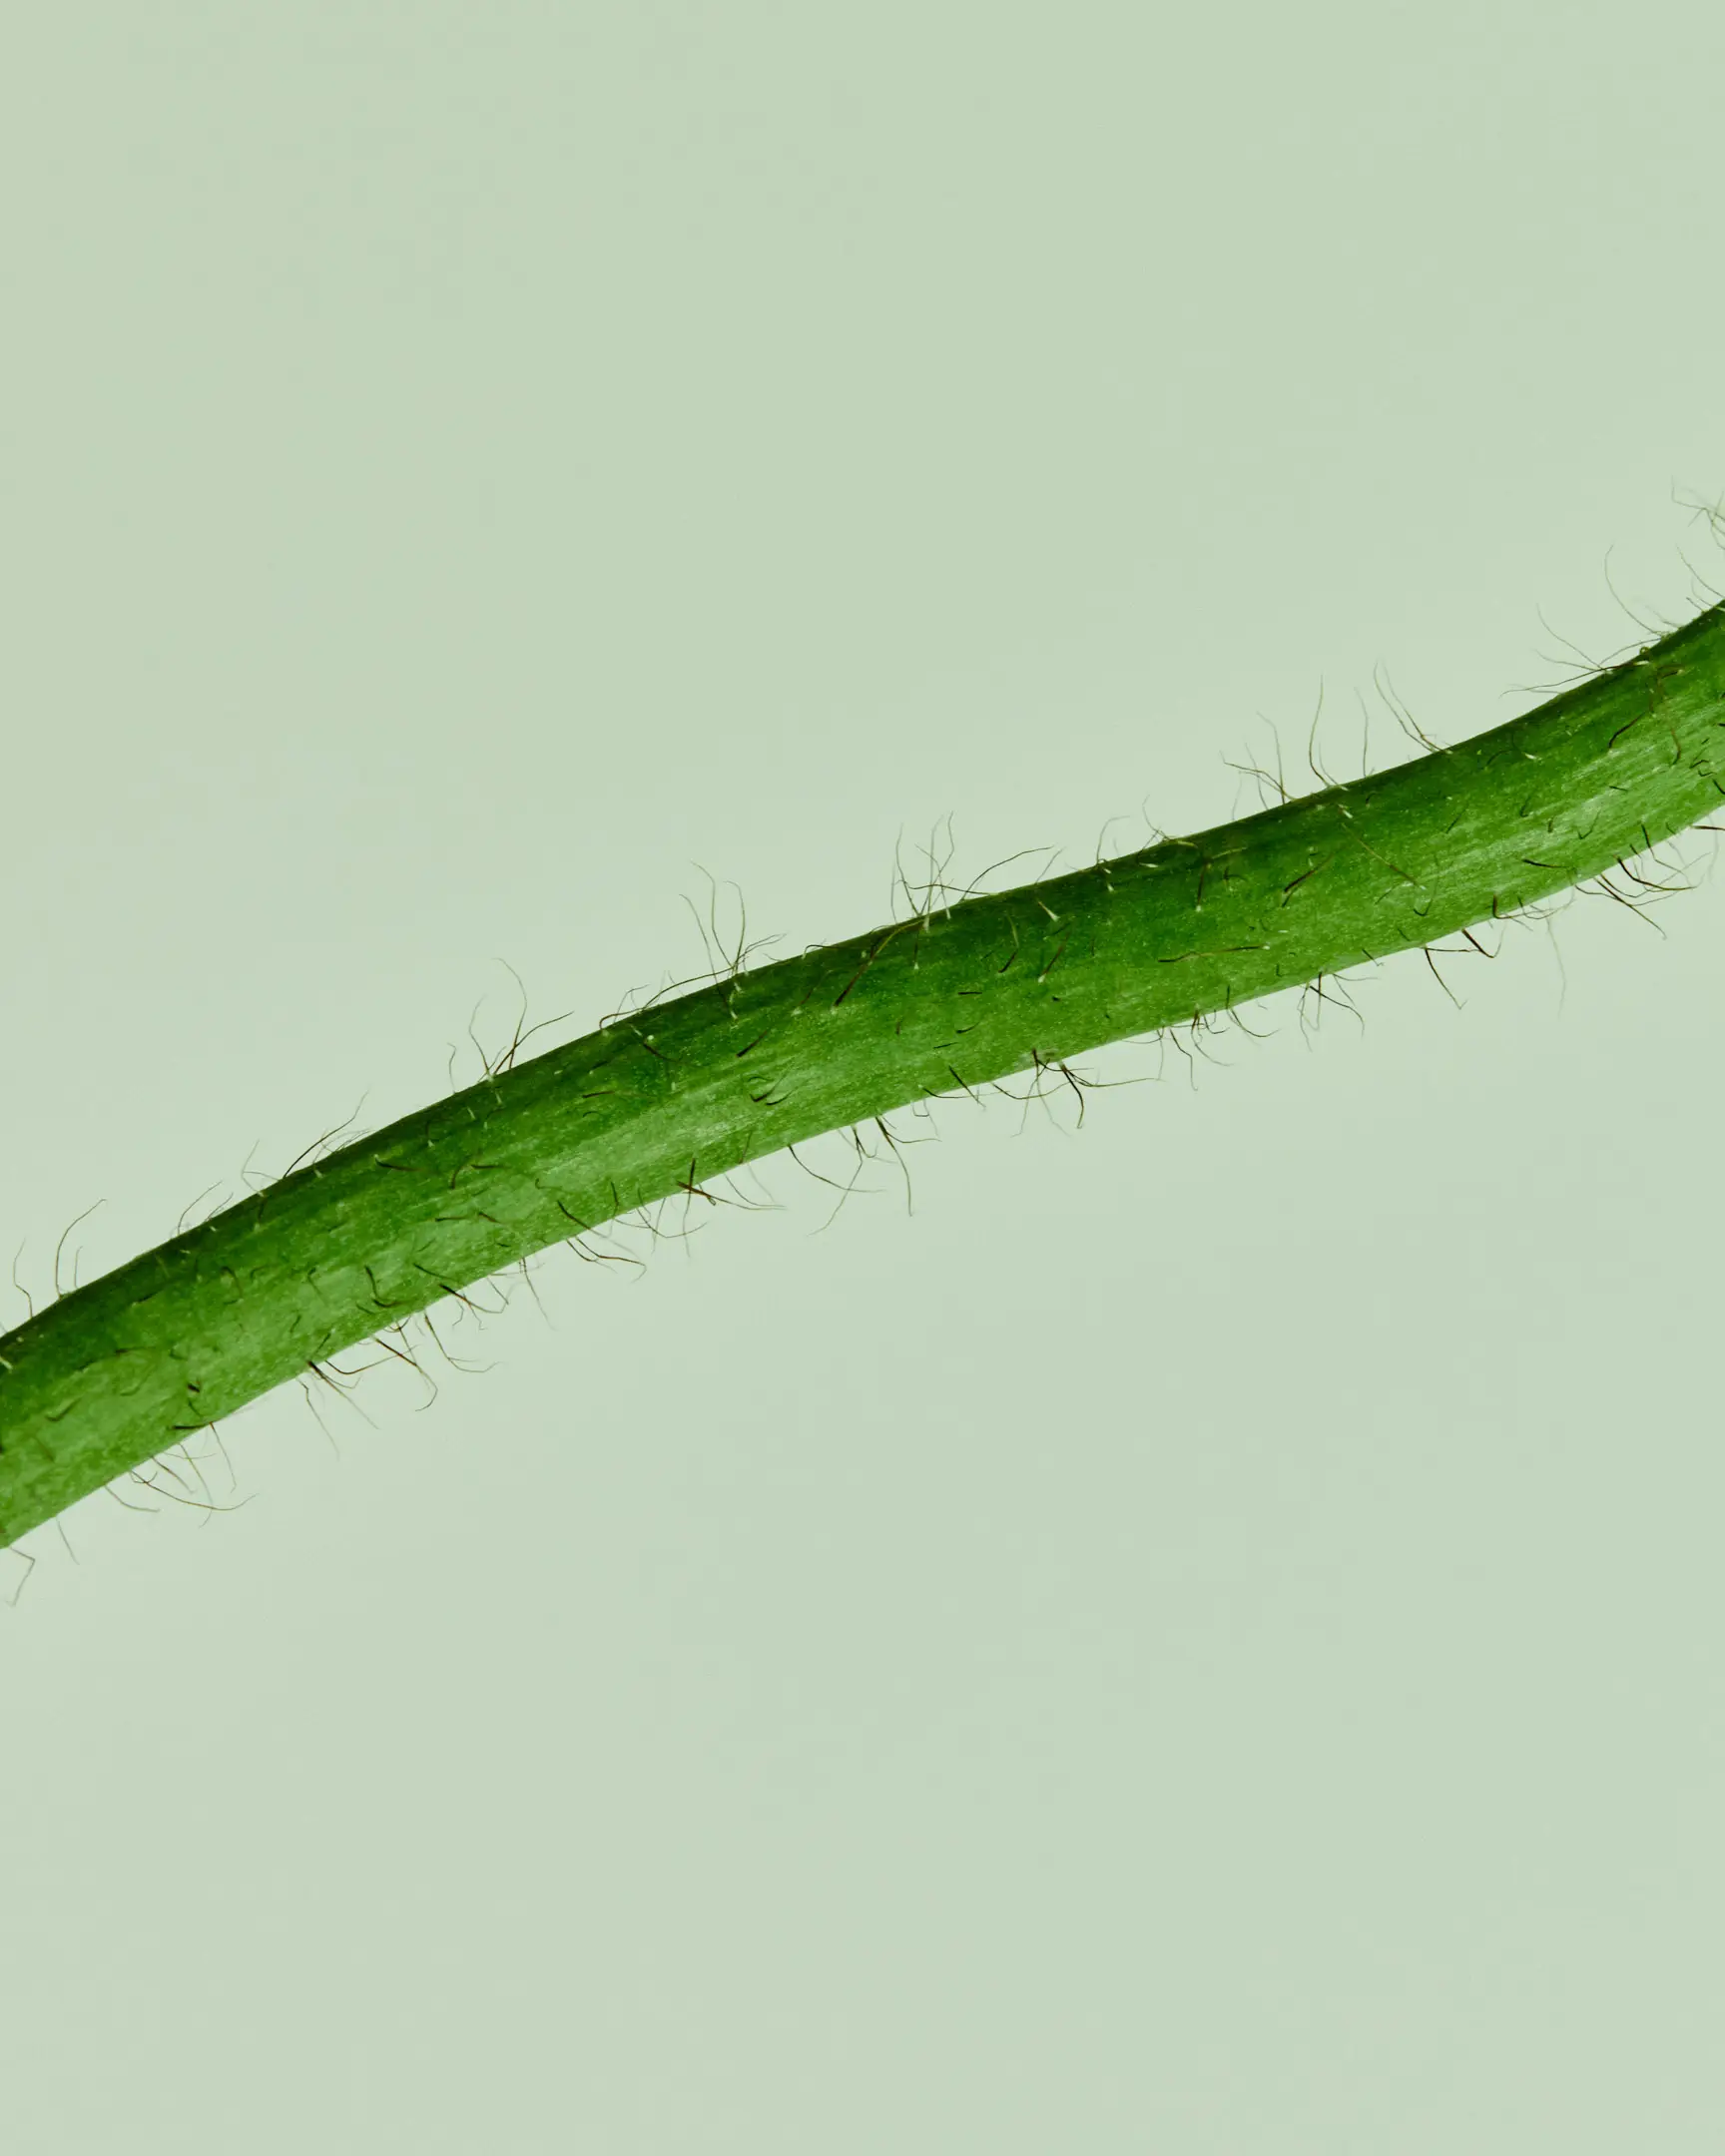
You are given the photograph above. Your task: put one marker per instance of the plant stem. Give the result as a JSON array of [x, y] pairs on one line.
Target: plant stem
[[123, 1368]]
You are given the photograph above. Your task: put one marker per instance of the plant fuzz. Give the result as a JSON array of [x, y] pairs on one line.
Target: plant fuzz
[[664, 1099]]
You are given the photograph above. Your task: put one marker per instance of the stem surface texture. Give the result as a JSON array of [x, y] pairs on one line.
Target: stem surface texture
[[123, 1368]]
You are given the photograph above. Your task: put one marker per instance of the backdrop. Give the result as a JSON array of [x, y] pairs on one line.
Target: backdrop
[[1197, 1633]]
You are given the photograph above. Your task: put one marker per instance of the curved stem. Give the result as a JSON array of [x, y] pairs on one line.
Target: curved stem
[[123, 1368]]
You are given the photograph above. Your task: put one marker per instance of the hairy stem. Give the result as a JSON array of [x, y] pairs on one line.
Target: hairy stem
[[123, 1368]]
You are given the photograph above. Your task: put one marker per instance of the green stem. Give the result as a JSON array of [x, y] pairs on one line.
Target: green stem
[[120, 1369]]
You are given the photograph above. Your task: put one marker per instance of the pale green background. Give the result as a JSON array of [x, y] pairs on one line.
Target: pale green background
[[1206, 1638]]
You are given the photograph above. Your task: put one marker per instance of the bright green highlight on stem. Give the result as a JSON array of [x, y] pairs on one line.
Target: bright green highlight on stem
[[126, 1366]]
